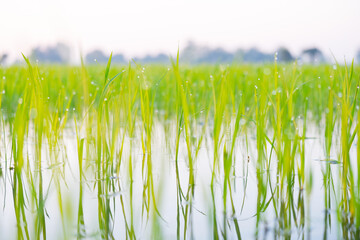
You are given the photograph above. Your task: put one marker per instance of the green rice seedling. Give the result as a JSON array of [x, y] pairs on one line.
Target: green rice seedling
[[260, 146], [20, 128], [229, 162], [301, 169], [227, 168], [147, 97], [81, 232], [330, 120], [38, 103], [286, 138], [105, 155], [348, 102], [242, 137], [219, 102], [357, 214], [180, 194], [184, 113]]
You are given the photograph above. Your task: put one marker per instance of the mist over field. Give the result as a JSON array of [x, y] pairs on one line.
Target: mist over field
[[139, 28]]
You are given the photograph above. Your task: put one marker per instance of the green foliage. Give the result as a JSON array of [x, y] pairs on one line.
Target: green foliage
[[110, 121]]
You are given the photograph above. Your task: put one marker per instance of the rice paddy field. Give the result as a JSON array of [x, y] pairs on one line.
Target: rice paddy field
[[179, 152]]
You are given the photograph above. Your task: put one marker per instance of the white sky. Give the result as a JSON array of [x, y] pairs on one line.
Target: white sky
[[139, 27]]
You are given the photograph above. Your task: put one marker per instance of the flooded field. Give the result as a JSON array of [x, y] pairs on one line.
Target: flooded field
[[176, 152]]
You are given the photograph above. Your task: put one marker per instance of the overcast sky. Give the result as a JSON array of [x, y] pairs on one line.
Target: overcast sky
[[151, 26]]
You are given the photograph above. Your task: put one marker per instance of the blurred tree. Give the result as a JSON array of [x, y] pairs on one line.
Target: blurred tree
[[3, 58], [60, 53], [217, 55], [239, 55], [256, 56], [96, 56], [193, 52], [64, 52], [118, 58], [160, 58], [100, 57], [284, 55], [312, 55]]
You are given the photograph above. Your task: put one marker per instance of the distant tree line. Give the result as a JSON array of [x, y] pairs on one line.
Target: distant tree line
[[97, 56], [196, 54], [192, 54], [60, 53]]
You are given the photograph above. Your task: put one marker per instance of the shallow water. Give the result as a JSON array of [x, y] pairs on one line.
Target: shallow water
[[111, 204]]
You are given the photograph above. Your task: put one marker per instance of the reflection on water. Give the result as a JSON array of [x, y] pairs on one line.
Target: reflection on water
[[66, 190]]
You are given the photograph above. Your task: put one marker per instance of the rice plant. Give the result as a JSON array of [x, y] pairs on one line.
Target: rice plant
[[185, 152]]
